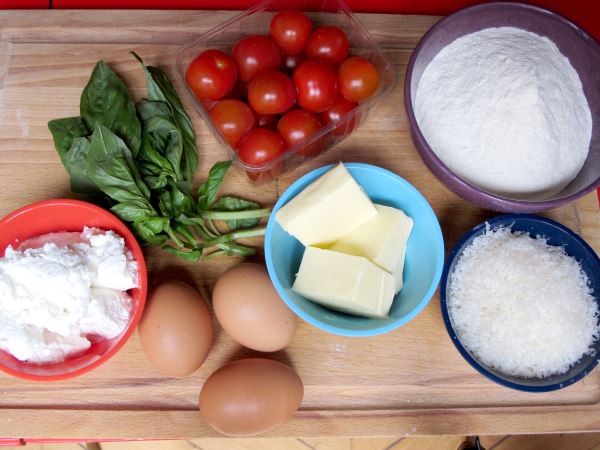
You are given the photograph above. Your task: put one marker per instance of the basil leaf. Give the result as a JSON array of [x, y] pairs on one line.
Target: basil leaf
[[133, 211], [237, 204], [145, 233], [156, 224], [164, 203], [64, 131], [162, 135], [182, 202], [105, 100], [173, 202], [76, 164], [156, 182], [111, 166], [148, 157], [193, 256], [152, 108], [207, 191], [160, 88]]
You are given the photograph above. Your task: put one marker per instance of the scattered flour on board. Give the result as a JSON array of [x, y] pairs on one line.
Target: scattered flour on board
[[505, 110], [23, 124], [522, 306]]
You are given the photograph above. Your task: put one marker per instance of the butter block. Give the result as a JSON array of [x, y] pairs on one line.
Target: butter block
[[329, 208], [347, 283], [382, 239]]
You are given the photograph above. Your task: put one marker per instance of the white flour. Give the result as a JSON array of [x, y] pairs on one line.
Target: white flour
[[505, 110]]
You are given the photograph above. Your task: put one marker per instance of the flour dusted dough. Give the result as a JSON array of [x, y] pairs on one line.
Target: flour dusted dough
[[505, 110]]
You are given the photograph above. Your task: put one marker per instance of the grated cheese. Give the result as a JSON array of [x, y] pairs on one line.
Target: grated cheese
[[521, 306]]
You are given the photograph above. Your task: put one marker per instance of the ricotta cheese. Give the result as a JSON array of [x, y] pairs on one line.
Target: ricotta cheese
[[53, 296]]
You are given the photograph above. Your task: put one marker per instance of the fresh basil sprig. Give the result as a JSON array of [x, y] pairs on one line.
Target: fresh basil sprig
[[140, 160]]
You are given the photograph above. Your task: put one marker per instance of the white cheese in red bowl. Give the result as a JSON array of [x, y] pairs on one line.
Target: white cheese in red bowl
[[59, 289]]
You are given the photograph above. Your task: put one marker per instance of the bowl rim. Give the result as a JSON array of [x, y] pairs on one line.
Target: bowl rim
[[456, 253], [450, 179], [292, 191], [138, 255]]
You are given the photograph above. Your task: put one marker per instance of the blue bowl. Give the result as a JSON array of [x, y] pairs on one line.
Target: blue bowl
[[575, 247], [423, 264]]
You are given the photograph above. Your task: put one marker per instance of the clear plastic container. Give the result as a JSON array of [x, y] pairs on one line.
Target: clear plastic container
[[256, 20]]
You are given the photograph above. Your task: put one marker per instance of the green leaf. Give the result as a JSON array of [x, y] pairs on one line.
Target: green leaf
[[64, 131], [133, 211], [161, 143], [147, 235], [111, 166], [161, 89], [207, 191], [156, 183], [237, 204], [76, 164], [164, 203], [149, 156], [156, 224], [182, 202], [173, 202], [184, 231], [105, 101], [193, 256]]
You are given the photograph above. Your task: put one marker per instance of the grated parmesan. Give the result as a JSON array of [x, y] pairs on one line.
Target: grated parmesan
[[521, 306]]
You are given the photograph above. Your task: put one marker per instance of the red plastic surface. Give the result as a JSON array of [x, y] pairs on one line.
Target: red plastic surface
[[586, 13], [10, 442], [24, 4], [70, 215]]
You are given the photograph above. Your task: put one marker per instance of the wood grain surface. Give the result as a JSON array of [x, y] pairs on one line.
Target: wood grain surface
[[407, 382]]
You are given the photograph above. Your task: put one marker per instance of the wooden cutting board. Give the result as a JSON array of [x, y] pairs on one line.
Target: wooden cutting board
[[410, 381]]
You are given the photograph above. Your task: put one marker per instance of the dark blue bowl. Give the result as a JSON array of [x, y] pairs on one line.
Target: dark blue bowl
[[574, 246]]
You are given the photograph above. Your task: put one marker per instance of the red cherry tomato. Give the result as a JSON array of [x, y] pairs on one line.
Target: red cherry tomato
[[211, 75], [271, 92], [259, 146], [297, 126], [238, 92], [339, 108], [266, 120], [358, 79], [290, 62], [316, 85], [328, 44], [233, 118], [255, 54], [290, 30]]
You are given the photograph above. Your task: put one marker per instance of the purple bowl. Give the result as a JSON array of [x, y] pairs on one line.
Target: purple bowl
[[579, 47]]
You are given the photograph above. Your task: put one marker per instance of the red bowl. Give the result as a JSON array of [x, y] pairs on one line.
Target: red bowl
[[70, 215]]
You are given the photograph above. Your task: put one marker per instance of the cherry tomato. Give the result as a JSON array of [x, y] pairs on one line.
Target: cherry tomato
[[297, 126], [328, 44], [358, 79], [271, 92], [211, 75], [290, 62], [290, 30], [316, 85], [266, 120], [339, 108], [255, 54], [239, 91], [233, 118], [259, 146]]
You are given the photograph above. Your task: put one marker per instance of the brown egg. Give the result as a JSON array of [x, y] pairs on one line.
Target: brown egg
[[176, 329], [249, 309], [250, 396]]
